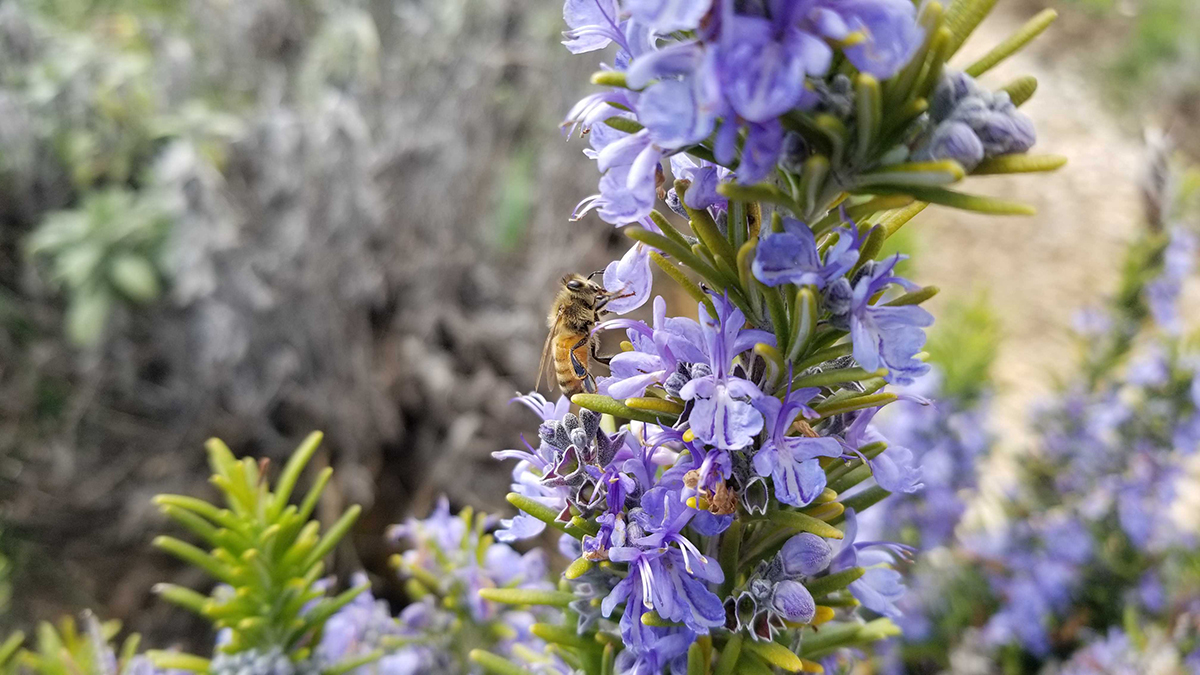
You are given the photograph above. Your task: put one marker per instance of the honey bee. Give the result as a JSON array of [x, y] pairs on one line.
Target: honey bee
[[576, 310]]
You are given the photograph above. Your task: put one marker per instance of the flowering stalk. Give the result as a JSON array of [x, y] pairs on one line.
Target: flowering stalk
[[1098, 557], [709, 491]]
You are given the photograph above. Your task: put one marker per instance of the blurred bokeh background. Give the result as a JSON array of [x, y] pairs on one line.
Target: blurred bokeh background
[[255, 218]]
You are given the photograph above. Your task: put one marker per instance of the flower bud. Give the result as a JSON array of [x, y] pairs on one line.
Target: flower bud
[[1006, 132], [795, 152], [838, 297], [792, 601], [954, 87], [952, 140], [804, 555]]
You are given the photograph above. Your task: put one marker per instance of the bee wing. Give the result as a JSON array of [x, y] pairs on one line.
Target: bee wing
[[542, 372]]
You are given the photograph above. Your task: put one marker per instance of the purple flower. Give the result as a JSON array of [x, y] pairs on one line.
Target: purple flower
[[593, 25], [791, 461], [674, 113], [632, 171], [629, 276], [896, 469], [1114, 654], [791, 256], [721, 413], [660, 579], [881, 586], [762, 72], [886, 337], [666, 16], [761, 152], [703, 177], [1162, 294], [891, 29], [542, 407], [657, 351]]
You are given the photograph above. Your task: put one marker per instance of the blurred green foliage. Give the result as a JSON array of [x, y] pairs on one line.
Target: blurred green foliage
[[1158, 53], [98, 115], [963, 346], [65, 649], [103, 251]]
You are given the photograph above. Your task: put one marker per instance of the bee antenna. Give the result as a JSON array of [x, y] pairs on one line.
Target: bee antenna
[[593, 274]]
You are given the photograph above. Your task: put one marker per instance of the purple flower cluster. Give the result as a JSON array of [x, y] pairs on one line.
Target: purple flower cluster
[[1112, 470], [718, 73], [1162, 294], [968, 124], [1099, 503], [449, 561], [1042, 561], [661, 495]]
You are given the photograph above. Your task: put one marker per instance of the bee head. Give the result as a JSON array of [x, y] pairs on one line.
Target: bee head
[[581, 285]]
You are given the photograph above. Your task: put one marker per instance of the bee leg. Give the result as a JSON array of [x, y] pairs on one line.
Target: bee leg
[[596, 354], [580, 369]]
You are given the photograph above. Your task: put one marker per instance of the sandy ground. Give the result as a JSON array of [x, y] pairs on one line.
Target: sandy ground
[[1038, 271]]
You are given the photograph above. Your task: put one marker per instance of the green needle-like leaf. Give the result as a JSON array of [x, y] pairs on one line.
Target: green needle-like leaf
[[963, 17], [775, 654], [10, 646], [834, 582], [348, 665], [728, 660], [706, 229], [624, 124], [804, 322], [864, 500], [194, 556], [959, 200], [165, 660], [869, 100], [1024, 35], [291, 472], [655, 405], [894, 220], [837, 376], [527, 596], [609, 78], [728, 552], [561, 635], [690, 287], [932, 174], [798, 522], [608, 406], [1019, 164], [828, 409], [184, 597], [695, 660], [762, 192], [914, 297], [812, 180], [334, 535], [536, 509], [668, 229], [680, 253], [1021, 89], [495, 664]]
